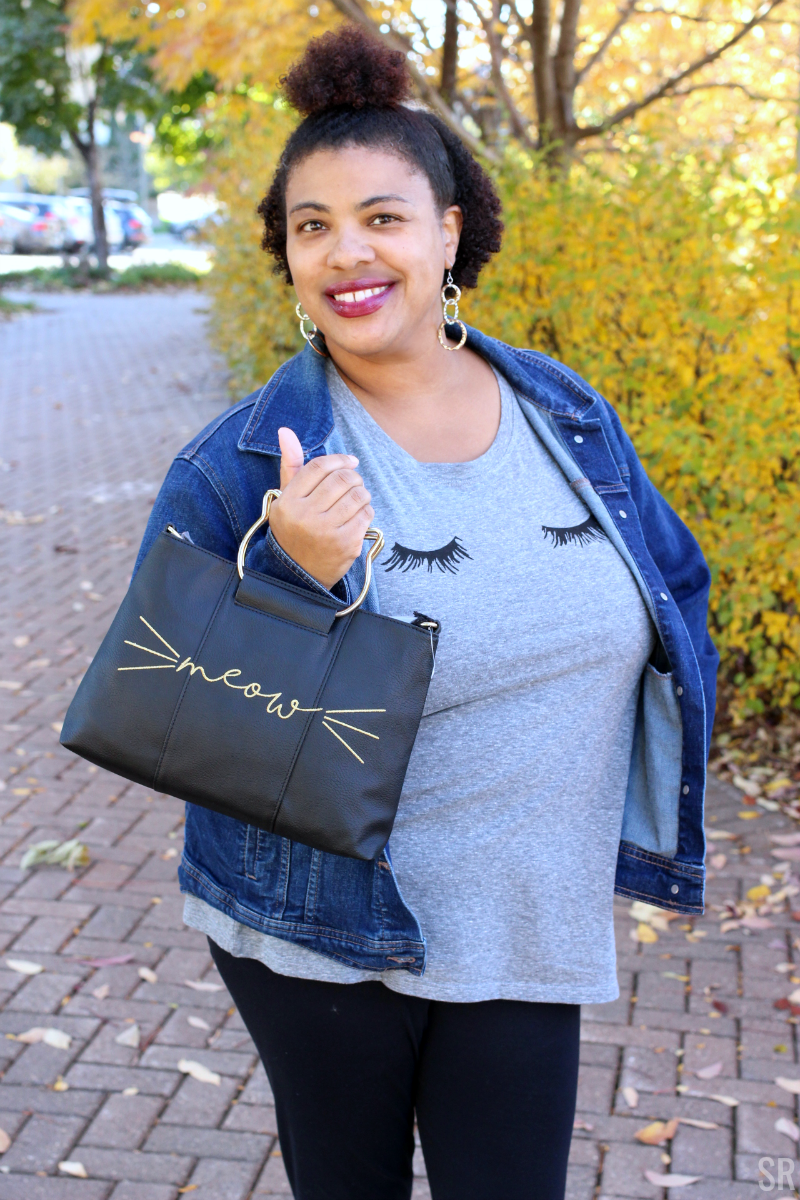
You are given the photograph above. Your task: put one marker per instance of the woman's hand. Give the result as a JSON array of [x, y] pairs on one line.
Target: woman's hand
[[323, 511]]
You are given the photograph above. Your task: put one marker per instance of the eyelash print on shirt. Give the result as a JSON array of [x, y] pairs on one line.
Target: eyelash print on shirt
[[446, 559], [588, 531]]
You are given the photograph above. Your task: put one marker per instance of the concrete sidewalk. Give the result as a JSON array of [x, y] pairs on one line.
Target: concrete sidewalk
[[96, 394]]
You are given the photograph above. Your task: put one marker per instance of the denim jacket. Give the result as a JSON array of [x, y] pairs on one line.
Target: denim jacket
[[352, 910]]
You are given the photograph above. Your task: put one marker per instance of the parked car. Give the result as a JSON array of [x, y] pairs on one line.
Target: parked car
[[46, 232], [13, 226], [197, 229], [77, 216], [136, 223]]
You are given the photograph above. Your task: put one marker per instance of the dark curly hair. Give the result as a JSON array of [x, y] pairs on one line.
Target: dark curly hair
[[350, 87]]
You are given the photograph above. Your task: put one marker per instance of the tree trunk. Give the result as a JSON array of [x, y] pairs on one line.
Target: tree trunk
[[88, 152], [98, 216], [447, 88]]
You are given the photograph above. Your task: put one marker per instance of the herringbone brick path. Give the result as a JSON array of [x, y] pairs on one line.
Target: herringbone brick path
[[96, 394]]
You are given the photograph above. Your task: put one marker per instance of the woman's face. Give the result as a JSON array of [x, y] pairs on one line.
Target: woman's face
[[367, 248]]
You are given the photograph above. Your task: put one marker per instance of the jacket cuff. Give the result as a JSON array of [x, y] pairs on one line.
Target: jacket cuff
[[285, 568]]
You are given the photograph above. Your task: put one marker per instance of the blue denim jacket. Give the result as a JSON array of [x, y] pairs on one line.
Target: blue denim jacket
[[352, 910]]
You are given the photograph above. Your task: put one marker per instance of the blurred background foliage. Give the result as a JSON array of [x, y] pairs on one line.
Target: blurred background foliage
[[646, 154]]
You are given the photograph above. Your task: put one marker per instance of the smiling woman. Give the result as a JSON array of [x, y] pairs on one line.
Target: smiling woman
[[561, 753]]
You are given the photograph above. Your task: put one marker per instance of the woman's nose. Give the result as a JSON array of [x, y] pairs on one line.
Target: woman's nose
[[350, 249]]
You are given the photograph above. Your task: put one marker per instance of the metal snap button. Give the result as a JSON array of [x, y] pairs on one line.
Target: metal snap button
[[622, 512], [686, 789], [664, 596], [679, 690], [577, 438], [674, 889]]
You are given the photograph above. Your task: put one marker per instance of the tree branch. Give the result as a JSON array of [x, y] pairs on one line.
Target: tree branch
[[624, 15], [668, 87], [515, 117], [353, 11], [701, 87]]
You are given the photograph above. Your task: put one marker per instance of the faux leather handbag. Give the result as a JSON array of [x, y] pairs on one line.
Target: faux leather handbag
[[257, 699]]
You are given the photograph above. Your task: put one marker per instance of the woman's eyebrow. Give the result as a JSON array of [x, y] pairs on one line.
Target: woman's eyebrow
[[310, 204], [380, 200]]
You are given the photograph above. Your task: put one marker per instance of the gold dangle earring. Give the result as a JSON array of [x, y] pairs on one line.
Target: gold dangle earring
[[302, 318], [451, 318]]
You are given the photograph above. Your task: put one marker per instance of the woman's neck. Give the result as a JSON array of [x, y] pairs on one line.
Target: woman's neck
[[438, 405]]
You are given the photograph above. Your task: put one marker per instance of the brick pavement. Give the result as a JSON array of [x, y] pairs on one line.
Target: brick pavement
[[96, 394]]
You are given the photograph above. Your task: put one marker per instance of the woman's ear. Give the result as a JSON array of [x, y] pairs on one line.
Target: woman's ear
[[452, 222]]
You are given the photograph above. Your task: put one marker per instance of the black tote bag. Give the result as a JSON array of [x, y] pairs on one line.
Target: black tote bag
[[257, 699]]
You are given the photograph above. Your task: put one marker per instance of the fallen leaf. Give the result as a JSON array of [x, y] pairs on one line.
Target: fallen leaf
[[791, 852], [709, 1072], [784, 1125], [717, 861], [198, 1071], [784, 967], [69, 854], [789, 1085], [630, 1096], [794, 997], [756, 922], [748, 816], [728, 926], [671, 1180], [116, 961], [579, 1123], [129, 1037], [198, 1023], [751, 787], [759, 892], [201, 986], [168, 854], [131, 1091], [644, 933], [720, 835], [190, 1187], [11, 684], [61, 1085], [657, 1132], [147, 975], [5, 1141], [674, 975], [785, 839], [720, 1006], [24, 967], [697, 1124], [101, 992], [729, 1100], [775, 785], [73, 1168]]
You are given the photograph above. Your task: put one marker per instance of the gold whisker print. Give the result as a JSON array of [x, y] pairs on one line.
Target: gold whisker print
[[344, 743], [251, 691]]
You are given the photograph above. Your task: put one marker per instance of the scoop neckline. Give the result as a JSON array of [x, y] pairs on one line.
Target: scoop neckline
[[490, 459]]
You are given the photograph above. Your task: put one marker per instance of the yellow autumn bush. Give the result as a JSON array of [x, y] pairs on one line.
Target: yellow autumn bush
[[670, 287]]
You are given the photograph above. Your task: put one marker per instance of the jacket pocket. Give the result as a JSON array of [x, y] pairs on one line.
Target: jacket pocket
[[650, 817]]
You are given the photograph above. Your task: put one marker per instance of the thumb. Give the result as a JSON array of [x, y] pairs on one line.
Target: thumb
[[291, 454]]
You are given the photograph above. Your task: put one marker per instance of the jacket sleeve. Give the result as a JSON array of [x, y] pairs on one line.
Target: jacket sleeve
[[189, 501], [678, 556]]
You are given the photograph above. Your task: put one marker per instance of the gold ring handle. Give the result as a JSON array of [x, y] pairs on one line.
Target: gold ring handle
[[372, 535]]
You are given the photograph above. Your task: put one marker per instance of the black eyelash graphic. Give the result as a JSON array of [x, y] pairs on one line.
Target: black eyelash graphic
[[446, 559], [589, 530]]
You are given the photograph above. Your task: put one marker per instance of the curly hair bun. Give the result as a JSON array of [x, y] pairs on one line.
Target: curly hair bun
[[346, 67]]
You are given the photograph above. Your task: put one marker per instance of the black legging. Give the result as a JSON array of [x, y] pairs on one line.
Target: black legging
[[493, 1084]]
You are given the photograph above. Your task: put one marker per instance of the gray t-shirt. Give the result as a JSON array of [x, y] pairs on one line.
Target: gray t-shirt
[[506, 836]]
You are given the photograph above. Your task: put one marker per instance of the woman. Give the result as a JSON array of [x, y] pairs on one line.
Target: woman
[[563, 747]]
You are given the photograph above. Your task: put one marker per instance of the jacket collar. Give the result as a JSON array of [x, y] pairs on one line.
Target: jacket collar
[[297, 395]]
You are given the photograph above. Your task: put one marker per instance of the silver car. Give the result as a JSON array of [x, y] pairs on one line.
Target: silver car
[[13, 226], [46, 231]]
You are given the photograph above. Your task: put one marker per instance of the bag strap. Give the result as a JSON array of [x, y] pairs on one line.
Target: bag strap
[[372, 535]]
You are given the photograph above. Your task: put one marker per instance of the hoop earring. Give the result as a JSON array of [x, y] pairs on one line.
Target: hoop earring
[[309, 337], [451, 302]]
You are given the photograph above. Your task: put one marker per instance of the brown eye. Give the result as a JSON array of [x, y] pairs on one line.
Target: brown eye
[[384, 219]]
